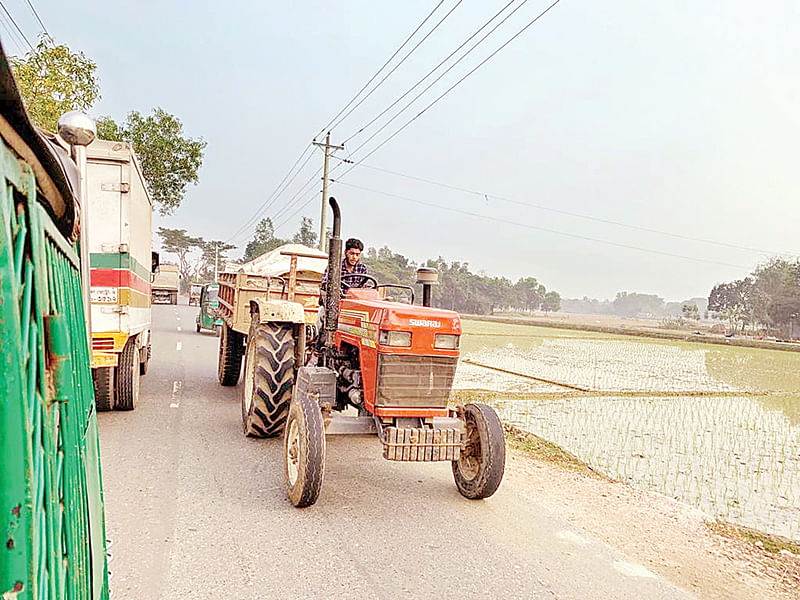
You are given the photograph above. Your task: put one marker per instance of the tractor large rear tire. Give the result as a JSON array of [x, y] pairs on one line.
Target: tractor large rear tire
[[229, 364], [127, 376], [479, 471], [268, 379], [103, 379], [304, 451]]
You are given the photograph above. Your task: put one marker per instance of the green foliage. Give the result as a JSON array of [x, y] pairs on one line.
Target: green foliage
[[636, 304], [552, 302], [53, 80], [178, 242], [306, 235], [213, 253], [263, 240], [169, 160]]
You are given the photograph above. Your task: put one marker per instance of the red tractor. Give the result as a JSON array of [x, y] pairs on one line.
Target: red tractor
[[376, 367]]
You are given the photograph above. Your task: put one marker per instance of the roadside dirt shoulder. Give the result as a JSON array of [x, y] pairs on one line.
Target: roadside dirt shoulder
[[670, 538]]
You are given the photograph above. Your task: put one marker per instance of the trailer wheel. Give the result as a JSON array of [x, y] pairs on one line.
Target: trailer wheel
[[480, 469], [268, 379], [230, 356], [127, 376], [304, 451], [173, 299], [103, 379]]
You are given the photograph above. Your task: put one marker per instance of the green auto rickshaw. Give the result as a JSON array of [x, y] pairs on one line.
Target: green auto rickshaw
[[208, 315]]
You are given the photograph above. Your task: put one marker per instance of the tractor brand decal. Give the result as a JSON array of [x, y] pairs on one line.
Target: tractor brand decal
[[424, 323], [368, 342], [361, 326]]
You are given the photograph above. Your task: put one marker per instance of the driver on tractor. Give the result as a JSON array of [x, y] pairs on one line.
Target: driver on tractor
[[351, 264]]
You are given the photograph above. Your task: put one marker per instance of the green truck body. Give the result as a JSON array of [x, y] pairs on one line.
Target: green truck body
[[51, 501]]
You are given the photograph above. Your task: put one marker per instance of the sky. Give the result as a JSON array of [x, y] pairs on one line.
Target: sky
[[637, 146]]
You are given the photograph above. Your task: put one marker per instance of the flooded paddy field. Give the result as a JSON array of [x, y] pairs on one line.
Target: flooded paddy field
[[715, 427]]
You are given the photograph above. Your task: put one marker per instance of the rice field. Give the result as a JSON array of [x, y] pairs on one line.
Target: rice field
[[713, 426]]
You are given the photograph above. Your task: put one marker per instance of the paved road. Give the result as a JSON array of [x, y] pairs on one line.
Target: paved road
[[196, 510]]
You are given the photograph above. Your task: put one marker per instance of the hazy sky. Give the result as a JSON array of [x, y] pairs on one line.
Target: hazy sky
[[681, 117]]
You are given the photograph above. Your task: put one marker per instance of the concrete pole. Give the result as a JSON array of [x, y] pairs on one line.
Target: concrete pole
[[324, 214], [216, 262]]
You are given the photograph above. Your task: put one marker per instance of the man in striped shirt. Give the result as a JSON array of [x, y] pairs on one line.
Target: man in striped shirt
[[351, 264]]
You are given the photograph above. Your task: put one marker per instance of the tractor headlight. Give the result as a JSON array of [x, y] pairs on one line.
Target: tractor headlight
[[446, 341], [396, 338]]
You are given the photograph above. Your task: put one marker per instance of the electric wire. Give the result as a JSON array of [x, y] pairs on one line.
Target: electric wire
[[538, 228], [450, 89], [38, 18], [432, 71], [5, 10], [565, 212], [371, 79], [273, 196], [385, 77], [12, 35]]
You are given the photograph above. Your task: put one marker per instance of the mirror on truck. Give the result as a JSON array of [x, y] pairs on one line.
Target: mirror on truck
[[154, 261]]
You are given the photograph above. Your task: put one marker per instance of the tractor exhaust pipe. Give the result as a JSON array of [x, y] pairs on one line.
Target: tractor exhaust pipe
[[332, 291], [427, 277]]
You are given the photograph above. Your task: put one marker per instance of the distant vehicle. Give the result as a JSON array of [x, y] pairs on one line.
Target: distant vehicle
[[194, 294], [166, 283], [208, 316], [120, 231]]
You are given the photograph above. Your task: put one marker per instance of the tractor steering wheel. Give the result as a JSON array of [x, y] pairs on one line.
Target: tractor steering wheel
[[367, 279]]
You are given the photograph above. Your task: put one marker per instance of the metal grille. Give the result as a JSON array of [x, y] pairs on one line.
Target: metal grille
[[415, 381], [102, 343], [49, 458]]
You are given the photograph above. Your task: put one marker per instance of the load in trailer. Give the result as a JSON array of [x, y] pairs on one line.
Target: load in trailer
[[379, 367]]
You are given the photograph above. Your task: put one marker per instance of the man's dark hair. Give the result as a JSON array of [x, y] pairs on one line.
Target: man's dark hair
[[353, 243]]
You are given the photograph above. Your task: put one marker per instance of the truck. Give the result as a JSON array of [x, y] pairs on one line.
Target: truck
[[369, 365], [120, 230], [54, 542], [166, 284]]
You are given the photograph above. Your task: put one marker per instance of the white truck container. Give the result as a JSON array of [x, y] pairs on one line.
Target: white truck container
[[120, 231], [166, 282]]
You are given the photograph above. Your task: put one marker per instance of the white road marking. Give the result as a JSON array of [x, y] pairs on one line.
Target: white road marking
[[632, 569], [571, 536], [177, 386], [178, 346], [178, 318], [179, 327]]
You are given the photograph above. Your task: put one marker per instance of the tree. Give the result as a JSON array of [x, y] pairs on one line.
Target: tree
[[169, 160], [213, 254], [530, 293], [552, 302], [53, 80], [306, 235], [263, 240], [177, 241], [690, 311]]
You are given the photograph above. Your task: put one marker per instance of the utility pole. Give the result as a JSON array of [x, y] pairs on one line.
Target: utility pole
[[216, 262], [323, 216]]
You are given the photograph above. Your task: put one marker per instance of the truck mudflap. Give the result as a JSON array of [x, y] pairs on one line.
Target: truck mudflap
[[282, 311], [422, 444]]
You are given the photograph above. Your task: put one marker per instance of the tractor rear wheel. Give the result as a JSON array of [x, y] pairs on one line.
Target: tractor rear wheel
[[304, 451], [103, 388], [127, 376], [230, 356], [479, 470], [268, 379]]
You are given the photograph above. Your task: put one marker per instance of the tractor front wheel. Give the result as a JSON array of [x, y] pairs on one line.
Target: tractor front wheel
[[268, 379], [479, 470], [304, 451]]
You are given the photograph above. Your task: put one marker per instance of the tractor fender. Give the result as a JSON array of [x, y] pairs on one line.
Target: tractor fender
[[281, 311]]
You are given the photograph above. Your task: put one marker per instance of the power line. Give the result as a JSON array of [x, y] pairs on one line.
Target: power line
[[385, 77], [12, 35], [271, 198], [538, 228], [448, 57], [36, 14], [565, 212], [5, 10], [451, 88], [371, 79]]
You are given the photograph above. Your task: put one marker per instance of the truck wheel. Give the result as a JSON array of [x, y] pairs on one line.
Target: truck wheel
[[173, 299], [197, 327], [268, 379], [230, 356], [304, 451], [103, 379], [127, 376], [479, 470]]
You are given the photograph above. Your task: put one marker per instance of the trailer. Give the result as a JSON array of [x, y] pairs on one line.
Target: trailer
[[120, 231], [54, 542]]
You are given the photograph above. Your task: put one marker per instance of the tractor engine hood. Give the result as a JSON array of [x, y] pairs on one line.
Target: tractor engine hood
[[408, 317]]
